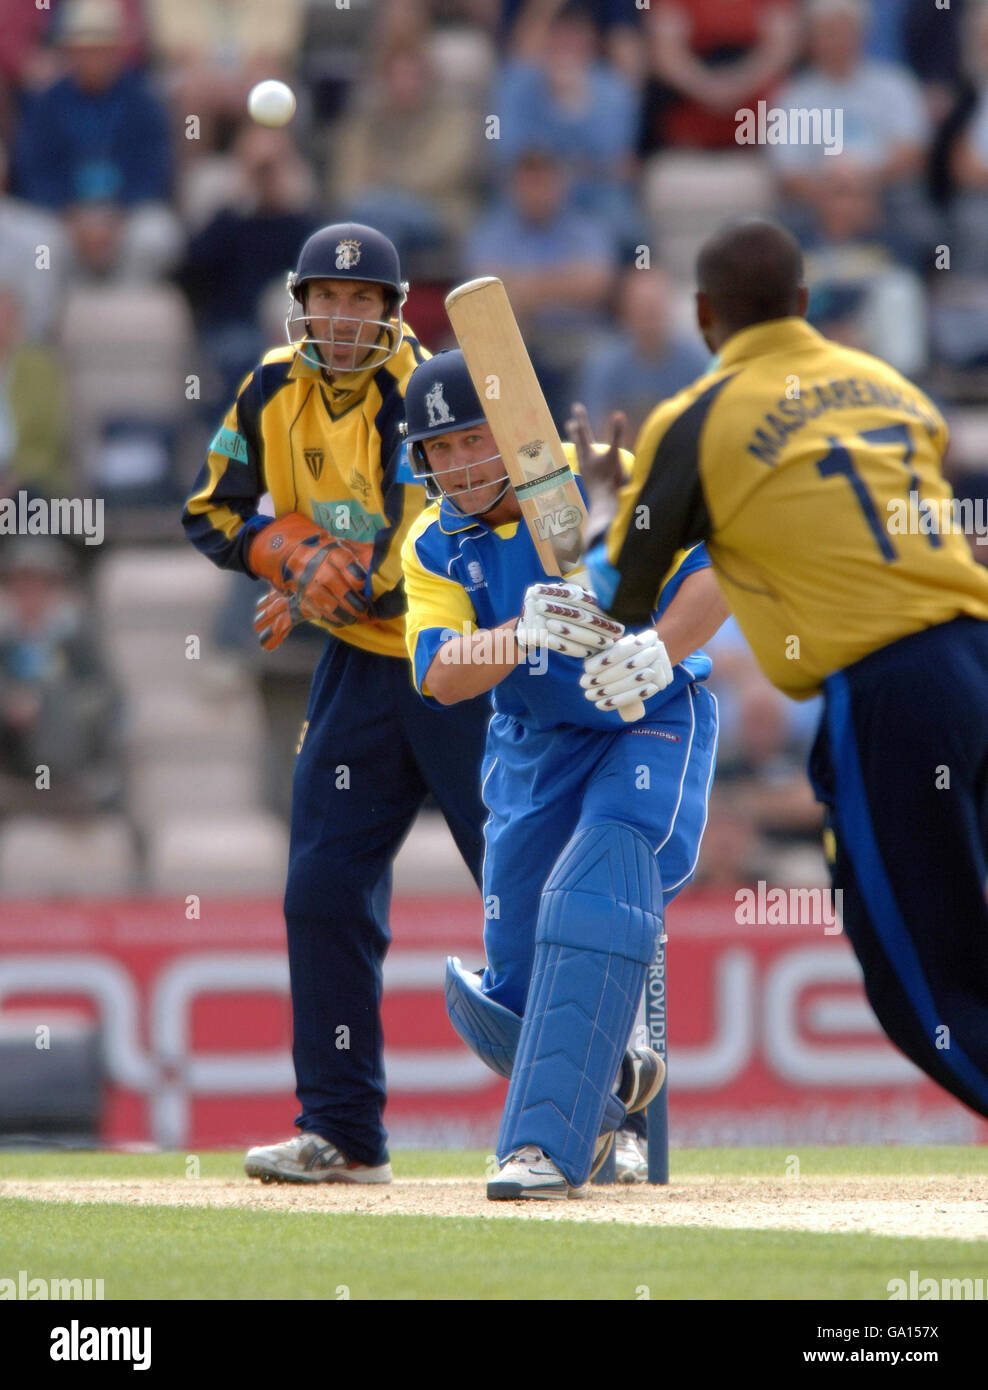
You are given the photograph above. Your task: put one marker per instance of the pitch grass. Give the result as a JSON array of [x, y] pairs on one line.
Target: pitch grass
[[886, 1160], [173, 1253]]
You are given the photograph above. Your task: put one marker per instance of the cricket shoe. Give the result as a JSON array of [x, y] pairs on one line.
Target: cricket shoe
[[529, 1173], [642, 1074], [308, 1158], [630, 1159]]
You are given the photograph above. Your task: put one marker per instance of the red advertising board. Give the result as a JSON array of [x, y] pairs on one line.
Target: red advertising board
[[771, 1039]]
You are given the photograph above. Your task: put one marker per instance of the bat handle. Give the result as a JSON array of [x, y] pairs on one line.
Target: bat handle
[[629, 713]]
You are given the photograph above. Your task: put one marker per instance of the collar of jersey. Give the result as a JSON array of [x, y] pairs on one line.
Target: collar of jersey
[[339, 397], [777, 335], [451, 521]]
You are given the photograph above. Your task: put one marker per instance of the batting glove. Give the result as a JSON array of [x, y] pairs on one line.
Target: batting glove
[[635, 667], [565, 618]]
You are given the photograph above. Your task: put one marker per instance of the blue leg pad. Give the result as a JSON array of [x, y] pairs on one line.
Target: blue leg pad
[[487, 1027], [599, 924], [491, 1031]]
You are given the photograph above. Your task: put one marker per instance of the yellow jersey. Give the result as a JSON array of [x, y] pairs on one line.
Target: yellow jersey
[[329, 451], [814, 474]]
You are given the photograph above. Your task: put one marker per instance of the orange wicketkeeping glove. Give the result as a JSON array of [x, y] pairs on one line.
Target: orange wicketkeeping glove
[[325, 575], [275, 616]]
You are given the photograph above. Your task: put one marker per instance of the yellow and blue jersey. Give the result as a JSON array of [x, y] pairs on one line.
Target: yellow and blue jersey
[[331, 451], [462, 575], [793, 459]]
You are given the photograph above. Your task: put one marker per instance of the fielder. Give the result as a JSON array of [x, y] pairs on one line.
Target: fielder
[[814, 474], [594, 824], [315, 426]]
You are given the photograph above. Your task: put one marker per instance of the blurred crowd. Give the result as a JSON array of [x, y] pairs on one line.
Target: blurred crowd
[[580, 151]]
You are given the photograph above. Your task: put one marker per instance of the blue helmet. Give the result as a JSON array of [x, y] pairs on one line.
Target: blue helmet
[[348, 251], [439, 399]]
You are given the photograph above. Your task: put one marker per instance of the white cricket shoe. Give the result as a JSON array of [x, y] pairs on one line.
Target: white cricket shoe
[[309, 1158], [528, 1173], [630, 1159]]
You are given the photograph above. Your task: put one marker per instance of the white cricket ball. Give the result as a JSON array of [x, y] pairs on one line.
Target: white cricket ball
[[271, 103]]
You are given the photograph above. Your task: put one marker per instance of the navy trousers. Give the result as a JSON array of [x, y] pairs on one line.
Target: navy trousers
[[371, 751], [901, 763]]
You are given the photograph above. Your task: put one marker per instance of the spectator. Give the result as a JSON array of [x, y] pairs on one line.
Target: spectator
[[969, 153], [859, 295], [58, 707], [707, 59], [885, 129], [249, 244], [212, 52], [645, 361], [407, 155], [765, 739], [33, 434], [33, 256], [931, 41], [558, 268], [94, 147], [556, 94], [617, 22]]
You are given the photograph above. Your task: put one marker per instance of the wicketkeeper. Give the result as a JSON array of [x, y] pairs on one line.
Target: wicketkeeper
[[315, 426]]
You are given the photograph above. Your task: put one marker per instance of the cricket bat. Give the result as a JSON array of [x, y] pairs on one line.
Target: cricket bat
[[529, 444]]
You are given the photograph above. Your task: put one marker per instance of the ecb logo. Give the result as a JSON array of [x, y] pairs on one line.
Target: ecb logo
[[314, 459]]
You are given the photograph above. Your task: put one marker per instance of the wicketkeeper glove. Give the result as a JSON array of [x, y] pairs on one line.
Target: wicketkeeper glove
[[635, 667], [566, 618], [274, 617], [325, 574]]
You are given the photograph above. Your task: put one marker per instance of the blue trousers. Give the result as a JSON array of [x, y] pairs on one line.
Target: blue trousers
[[371, 751], [542, 787], [901, 763]]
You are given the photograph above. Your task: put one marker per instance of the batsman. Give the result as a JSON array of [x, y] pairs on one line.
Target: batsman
[[594, 824]]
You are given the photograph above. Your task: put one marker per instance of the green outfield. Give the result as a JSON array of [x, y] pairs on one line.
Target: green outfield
[[162, 1226]]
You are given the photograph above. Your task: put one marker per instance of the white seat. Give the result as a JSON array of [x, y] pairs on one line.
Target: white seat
[[689, 194], [969, 438], [171, 587], [232, 853], [41, 858], [170, 785], [429, 863], [184, 722], [127, 350]]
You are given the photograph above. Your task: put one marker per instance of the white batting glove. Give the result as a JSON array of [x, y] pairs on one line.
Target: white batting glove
[[633, 669], [566, 618]]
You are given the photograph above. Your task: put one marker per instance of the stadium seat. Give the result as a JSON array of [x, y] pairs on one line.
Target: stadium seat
[[169, 588], [230, 853], [127, 350], [687, 195], [429, 862], [165, 725], [59, 858], [206, 185], [170, 785]]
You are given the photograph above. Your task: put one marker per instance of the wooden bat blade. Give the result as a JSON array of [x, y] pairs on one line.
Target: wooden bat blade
[[527, 440], [523, 429]]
